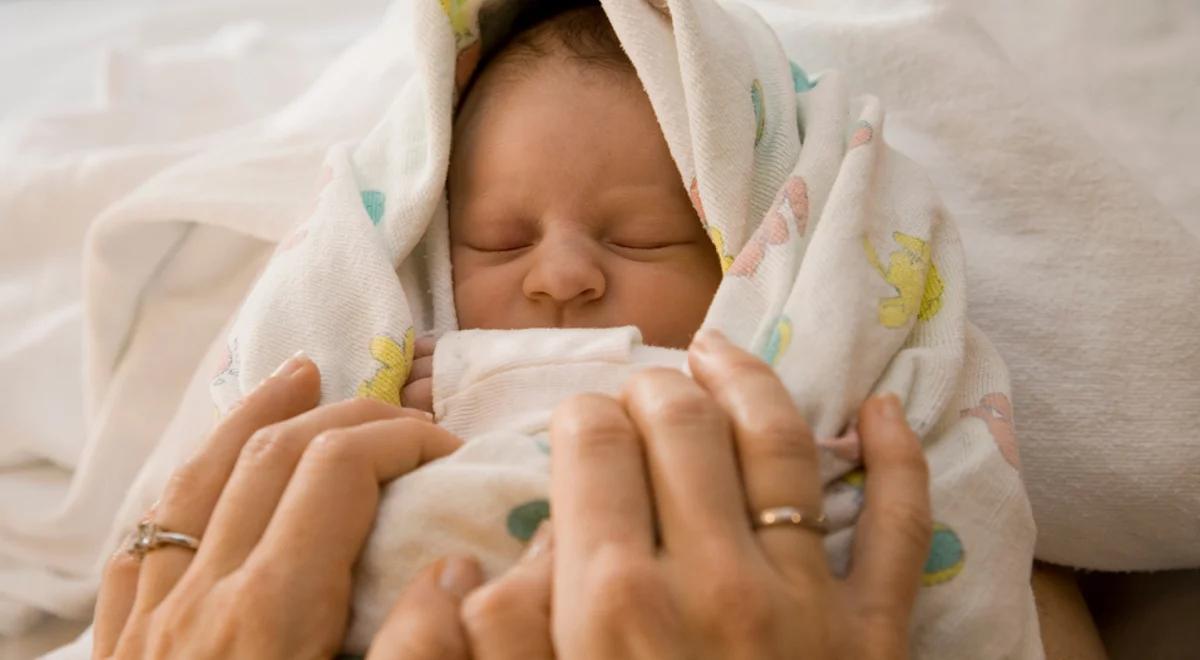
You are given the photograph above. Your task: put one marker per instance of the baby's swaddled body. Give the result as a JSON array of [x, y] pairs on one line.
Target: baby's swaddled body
[[558, 204], [495, 389]]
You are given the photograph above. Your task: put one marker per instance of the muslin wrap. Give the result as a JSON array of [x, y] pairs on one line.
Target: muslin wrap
[[841, 267]]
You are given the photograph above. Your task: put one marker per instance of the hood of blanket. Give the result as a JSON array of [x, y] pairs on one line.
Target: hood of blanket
[[369, 270]]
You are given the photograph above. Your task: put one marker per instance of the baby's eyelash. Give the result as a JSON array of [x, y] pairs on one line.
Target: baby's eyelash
[[644, 246], [512, 248]]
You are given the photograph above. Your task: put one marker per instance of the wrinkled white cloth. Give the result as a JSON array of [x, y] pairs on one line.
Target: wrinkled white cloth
[[841, 270]]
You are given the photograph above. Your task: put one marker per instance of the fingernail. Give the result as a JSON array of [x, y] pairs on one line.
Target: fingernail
[[428, 416], [709, 339], [890, 407], [459, 576], [541, 542], [291, 365]]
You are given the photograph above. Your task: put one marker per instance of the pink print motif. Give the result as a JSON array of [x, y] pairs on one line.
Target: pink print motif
[[774, 229], [227, 368], [996, 412], [861, 135], [694, 194]]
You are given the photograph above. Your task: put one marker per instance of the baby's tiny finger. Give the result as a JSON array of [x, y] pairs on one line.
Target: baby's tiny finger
[[422, 368], [424, 346], [418, 395]]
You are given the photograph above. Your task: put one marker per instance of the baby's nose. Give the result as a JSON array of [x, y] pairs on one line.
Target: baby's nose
[[564, 273]]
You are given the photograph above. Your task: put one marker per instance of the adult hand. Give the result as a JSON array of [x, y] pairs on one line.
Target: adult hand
[[282, 496], [696, 456]]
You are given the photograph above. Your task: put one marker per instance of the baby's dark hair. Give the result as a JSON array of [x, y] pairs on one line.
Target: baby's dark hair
[[575, 30]]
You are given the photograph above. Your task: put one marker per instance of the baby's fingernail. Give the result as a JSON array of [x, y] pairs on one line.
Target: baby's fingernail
[[890, 407], [541, 542], [291, 365], [459, 576]]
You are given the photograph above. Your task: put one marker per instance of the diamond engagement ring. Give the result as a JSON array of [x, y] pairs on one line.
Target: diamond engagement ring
[[150, 536]]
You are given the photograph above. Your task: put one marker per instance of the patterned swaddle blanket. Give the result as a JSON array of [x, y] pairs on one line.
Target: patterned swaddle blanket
[[841, 270]]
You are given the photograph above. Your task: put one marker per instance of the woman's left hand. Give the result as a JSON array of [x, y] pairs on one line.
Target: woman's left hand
[[282, 496]]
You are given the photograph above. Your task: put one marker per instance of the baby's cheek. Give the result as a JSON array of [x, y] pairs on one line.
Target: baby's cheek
[[670, 306], [481, 297]]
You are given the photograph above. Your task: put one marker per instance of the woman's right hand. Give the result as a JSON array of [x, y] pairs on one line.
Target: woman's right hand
[[695, 456]]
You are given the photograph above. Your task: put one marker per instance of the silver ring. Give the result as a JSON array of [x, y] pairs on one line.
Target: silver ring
[[150, 536], [790, 515]]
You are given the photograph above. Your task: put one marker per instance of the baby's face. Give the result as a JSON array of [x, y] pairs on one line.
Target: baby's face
[[567, 211]]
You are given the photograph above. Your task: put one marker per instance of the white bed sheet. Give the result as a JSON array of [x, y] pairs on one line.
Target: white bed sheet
[[83, 84]]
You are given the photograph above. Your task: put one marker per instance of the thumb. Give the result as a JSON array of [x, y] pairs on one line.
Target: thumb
[[424, 623]]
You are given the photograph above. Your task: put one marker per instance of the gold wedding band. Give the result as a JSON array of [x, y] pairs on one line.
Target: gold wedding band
[[790, 515]]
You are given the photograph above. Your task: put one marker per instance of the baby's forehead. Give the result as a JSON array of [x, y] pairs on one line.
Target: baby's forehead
[[577, 40]]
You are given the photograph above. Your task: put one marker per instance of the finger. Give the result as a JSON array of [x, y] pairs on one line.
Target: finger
[[418, 395], [509, 618], [424, 346], [894, 529], [329, 505], [424, 623], [422, 368], [774, 447], [118, 586], [598, 490], [193, 490], [266, 465], [692, 465]]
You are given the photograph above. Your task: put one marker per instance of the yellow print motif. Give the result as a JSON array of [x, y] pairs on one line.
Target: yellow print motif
[[396, 358], [912, 272], [458, 12], [718, 241]]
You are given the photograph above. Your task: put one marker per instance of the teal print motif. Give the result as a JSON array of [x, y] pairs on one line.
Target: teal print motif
[[777, 345], [760, 112], [524, 519], [373, 201], [800, 79], [946, 555]]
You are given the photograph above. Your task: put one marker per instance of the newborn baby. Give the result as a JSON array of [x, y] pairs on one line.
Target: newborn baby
[[562, 199], [566, 209]]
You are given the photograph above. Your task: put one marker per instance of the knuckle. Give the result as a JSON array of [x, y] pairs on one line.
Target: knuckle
[[778, 434], [591, 418], [366, 408], [188, 484], [909, 521], [748, 598], [268, 444], [485, 607], [623, 588], [745, 365], [332, 447], [671, 398], [685, 408]]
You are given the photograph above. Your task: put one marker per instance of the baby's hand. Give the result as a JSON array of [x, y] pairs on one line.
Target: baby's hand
[[418, 391]]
